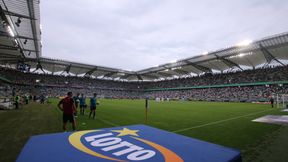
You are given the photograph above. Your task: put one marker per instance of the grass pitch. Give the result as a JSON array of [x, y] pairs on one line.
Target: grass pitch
[[227, 124]]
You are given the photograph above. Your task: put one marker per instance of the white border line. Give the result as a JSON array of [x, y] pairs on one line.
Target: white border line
[[220, 121], [103, 120], [107, 122]]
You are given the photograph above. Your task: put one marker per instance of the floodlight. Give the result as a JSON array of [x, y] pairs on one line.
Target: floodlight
[[173, 61], [244, 43], [175, 68], [205, 53], [241, 55], [18, 22], [10, 31]]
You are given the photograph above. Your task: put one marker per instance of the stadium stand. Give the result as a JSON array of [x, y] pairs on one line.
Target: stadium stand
[[268, 74], [242, 86]]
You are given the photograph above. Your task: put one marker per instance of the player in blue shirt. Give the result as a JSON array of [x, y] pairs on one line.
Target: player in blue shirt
[[82, 101], [93, 103], [76, 101]]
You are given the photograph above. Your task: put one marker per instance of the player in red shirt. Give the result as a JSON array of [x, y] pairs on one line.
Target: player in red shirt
[[68, 108]]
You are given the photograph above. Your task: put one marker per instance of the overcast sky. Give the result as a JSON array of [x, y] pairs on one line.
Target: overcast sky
[[138, 34]]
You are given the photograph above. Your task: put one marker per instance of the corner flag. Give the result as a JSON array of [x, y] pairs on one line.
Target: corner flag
[[146, 109]]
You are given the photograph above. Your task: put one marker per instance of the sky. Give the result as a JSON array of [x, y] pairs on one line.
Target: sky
[[138, 34]]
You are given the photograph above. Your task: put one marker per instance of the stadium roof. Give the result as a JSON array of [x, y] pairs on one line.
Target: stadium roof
[[20, 41], [268, 51], [20, 34]]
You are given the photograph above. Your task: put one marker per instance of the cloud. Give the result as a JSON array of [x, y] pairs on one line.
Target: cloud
[[134, 35]]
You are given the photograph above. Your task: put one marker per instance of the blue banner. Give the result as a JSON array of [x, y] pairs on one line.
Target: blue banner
[[137, 143]]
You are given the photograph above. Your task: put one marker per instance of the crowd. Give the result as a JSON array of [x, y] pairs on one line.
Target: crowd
[[227, 94], [33, 79], [248, 76], [55, 85]]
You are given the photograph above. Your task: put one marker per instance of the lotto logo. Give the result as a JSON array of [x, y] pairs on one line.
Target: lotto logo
[[121, 145]]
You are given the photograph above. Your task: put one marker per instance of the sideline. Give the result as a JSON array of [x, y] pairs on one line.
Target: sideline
[[221, 121]]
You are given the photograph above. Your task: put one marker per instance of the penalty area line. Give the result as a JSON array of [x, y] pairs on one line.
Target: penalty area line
[[220, 121]]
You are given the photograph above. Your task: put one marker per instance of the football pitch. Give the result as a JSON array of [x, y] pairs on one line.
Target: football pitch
[[227, 124]]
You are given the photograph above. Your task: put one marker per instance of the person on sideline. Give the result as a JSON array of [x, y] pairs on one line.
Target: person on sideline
[[272, 102], [93, 103], [82, 100], [68, 108]]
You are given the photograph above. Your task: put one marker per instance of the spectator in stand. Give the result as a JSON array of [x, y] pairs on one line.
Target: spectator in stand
[[54, 86]]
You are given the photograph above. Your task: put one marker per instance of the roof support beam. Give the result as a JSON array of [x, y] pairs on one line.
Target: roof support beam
[[14, 48], [150, 76], [5, 24], [180, 71], [164, 74], [18, 36], [67, 69], [39, 66], [30, 50], [90, 72], [125, 76], [33, 26], [199, 67], [268, 55], [139, 77], [17, 14], [24, 37], [109, 74], [229, 63]]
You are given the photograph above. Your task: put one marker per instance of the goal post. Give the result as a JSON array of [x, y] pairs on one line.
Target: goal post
[[282, 100]]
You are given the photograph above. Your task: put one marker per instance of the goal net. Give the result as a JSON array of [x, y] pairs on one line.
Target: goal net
[[282, 101]]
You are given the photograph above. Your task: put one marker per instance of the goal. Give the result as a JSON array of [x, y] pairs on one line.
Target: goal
[[282, 101]]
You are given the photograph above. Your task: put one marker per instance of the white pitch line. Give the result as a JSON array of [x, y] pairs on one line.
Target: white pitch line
[[108, 122], [220, 121], [104, 121]]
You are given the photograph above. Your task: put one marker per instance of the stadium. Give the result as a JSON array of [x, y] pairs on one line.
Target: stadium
[[216, 96]]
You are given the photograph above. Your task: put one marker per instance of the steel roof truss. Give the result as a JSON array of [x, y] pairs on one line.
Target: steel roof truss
[[268, 55], [199, 67], [229, 63]]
